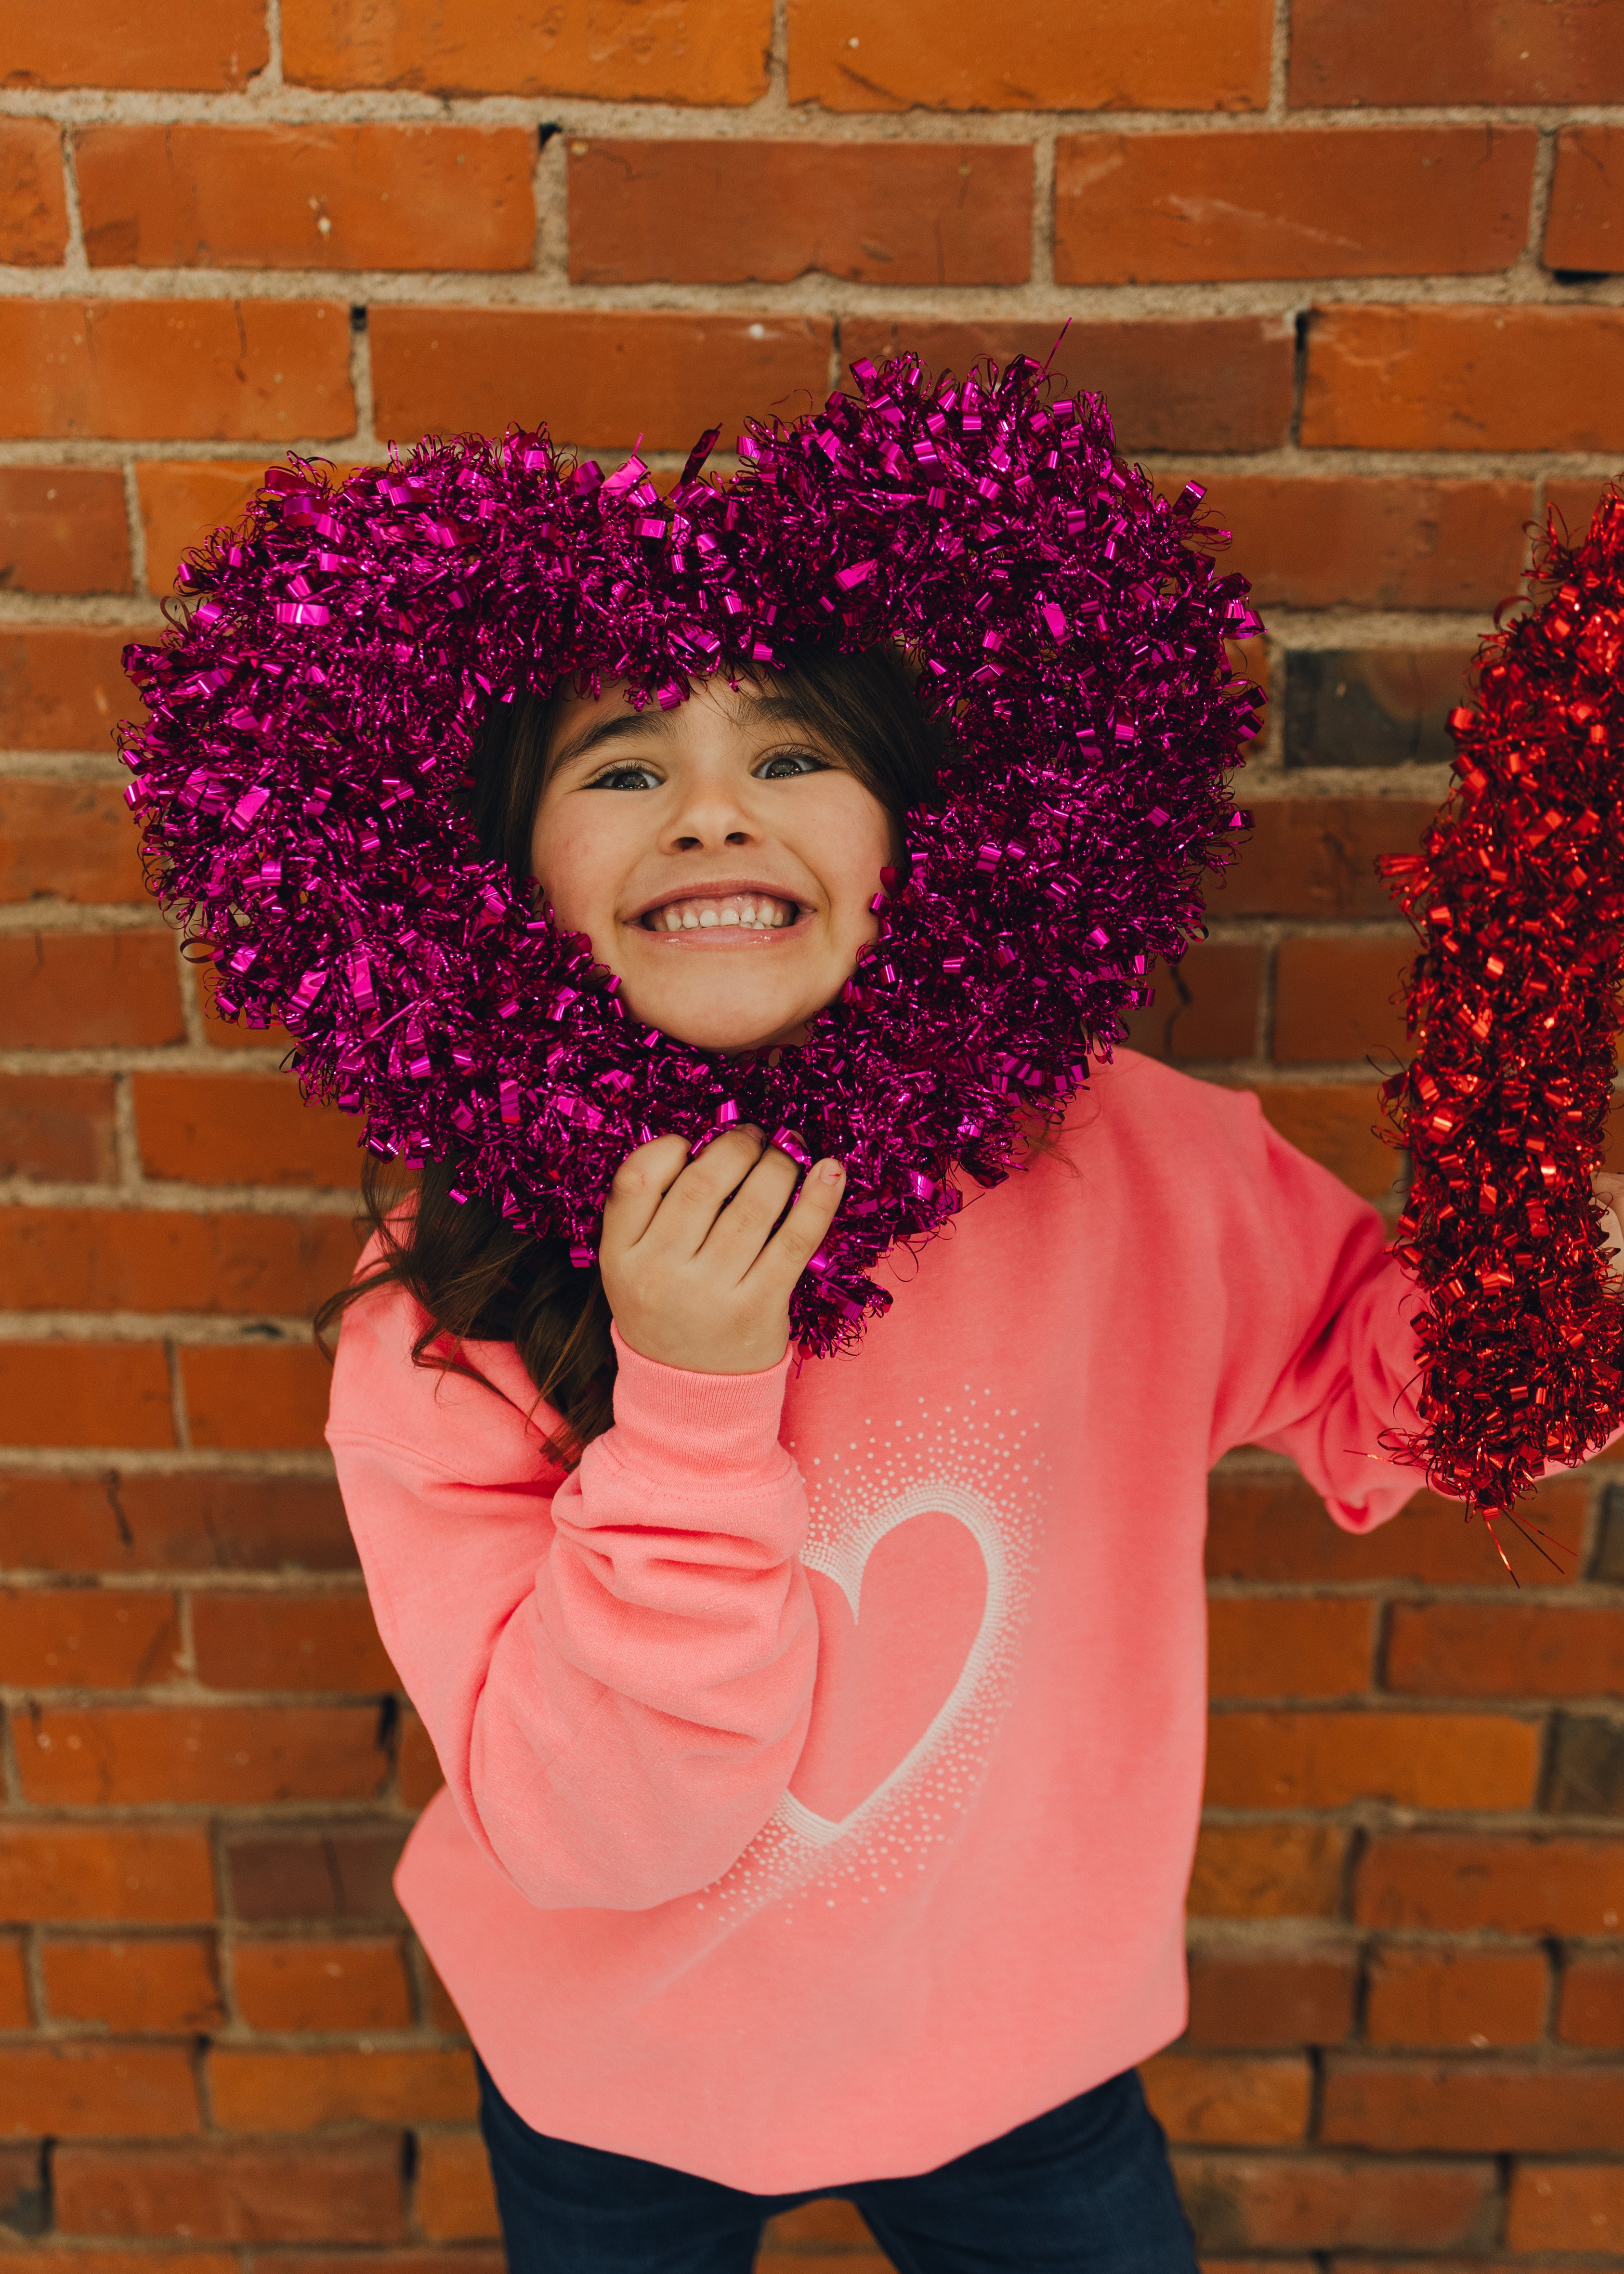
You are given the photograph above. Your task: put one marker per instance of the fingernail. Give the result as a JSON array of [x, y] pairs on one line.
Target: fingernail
[[831, 1171]]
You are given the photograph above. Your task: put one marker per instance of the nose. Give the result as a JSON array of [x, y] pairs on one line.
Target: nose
[[711, 814]]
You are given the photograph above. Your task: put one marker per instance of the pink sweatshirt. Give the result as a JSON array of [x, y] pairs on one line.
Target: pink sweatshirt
[[824, 1756]]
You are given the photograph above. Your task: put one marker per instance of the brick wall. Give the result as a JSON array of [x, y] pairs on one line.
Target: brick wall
[[1350, 263]]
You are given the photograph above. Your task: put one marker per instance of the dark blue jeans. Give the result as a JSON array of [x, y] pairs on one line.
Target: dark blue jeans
[[1084, 2189]]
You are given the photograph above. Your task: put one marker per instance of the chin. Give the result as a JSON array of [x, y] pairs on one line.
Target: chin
[[707, 1028]]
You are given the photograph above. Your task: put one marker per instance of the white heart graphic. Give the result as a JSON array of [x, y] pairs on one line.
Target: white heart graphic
[[845, 1562]]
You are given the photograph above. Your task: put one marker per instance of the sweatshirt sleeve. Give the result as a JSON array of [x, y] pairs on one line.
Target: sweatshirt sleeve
[[1338, 1318], [1337, 1363], [615, 1666]]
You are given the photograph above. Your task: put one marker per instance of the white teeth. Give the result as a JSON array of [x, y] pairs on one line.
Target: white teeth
[[740, 910]]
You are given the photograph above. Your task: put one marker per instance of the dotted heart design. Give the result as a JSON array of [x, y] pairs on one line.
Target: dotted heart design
[[845, 1562]]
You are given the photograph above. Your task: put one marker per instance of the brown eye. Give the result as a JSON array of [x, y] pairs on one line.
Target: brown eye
[[784, 765]]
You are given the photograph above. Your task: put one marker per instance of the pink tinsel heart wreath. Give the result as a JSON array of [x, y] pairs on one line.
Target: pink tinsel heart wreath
[[1518, 898], [301, 780]]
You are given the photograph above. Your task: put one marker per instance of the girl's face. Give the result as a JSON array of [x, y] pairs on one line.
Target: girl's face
[[719, 856]]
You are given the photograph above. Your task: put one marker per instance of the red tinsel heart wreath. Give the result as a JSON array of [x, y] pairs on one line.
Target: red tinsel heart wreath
[[302, 775], [1518, 898]]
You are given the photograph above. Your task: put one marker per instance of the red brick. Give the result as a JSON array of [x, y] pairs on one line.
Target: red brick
[[1346, 52], [286, 2092], [1368, 541], [63, 990], [307, 197], [1464, 2106], [146, 371], [1335, 1124], [1206, 1006], [953, 55], [1592, 2005], [1334, 999], [1410, 1760], [63, 686], [242, 1129], [470, 2258], [826, 2219], [1376, 201], [288, 1642], [596, 379], [344, 1871], [252, 1397], [1218, 2100], [62, 1393], [234, 1755], [78, 1637], [1267, 1871], [67, 1873], [1455, 1997], [1240, 2000], [1576, 502], [1379, 705], [344, 2190], [455, 2201], [62, 529], [14, 2007], [195, 43], [1275, 1527], [34, 213], [133, 1986], [159, 1259], [1216, 383], [186, 1523], [1567, 2207], [57, 1125], [347, 1985], [138, 2261], [68, 839], [1503, 1650], [672, 52], [182, 501], [729, 212], [418, 1771], [1316, 857], [1584, 225], [137, 2091], [1487, 378], [1295, 1648], [1295, 2202], [1471, 1879]]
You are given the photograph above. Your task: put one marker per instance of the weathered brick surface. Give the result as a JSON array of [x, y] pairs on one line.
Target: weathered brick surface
[[62, 529], [1322, 274], [743, 212], [211, 45], [307, 197], [594, 381], [253, 369], [1506, 51], [1385, 201], [955, 57], [1584, 222], [1484, 378], [668, 53]]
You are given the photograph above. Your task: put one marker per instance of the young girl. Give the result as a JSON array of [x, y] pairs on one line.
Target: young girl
[[823, 1742]]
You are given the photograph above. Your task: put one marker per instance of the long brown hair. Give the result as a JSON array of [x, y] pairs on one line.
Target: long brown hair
[[471, 1275]]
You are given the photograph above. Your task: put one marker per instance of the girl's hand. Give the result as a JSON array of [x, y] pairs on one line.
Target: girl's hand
[[696, 1286]]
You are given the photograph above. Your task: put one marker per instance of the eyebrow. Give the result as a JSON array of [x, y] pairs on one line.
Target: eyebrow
[[783, 707]]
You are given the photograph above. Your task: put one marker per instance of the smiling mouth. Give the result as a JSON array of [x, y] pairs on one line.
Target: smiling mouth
[[724, 911]]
